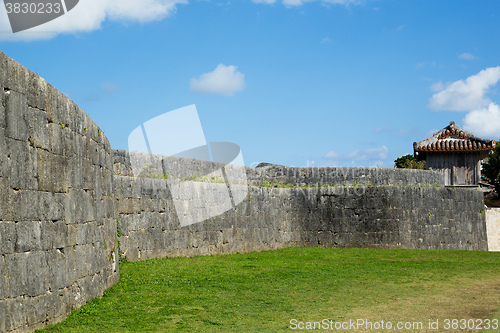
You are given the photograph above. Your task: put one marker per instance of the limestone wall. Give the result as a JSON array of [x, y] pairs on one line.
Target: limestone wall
[[407, 209], [342, 176], [57, 213], [493, 227]]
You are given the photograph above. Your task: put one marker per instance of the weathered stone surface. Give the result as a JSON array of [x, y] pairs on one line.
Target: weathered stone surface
[[4, 155], [38, 128], [36, 91], [52, 172], [8, 237], [28, 236], [16, 76], [390, 215], [2, 107], [16, 116], [50, 191], [22, 164]]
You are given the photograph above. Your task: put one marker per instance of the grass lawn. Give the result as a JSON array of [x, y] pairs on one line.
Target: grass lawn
[[263, 292]]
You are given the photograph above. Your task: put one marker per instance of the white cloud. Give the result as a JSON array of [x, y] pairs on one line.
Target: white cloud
[[270, 2], [430, 133], [224, 80], [88, 15], [379, 129], [326, 40], [379, 153], [483, 118], [466, 95], [426, 64], [331, 154], [109, 88], [438, 86], [371, 157], [400, 27], [292, 3], [466, 56], [484, 122], [408, 131]]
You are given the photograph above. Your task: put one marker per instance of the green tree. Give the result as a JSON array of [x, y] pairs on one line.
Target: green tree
[[491, 168], [408, 162]]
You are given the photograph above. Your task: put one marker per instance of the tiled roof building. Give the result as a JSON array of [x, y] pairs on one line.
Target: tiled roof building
[[456, 153]]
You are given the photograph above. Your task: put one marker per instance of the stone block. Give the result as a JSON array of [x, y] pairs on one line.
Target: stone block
[[129, 206], [16, 116], [2, 107], [17, 76], [83, 234], [80, 120], [28, 236], [36, 310], [4, 155], [61, 139], [93, 152], [81, 265], [57, 269], [53, 173], [36, 91], [15, 315], [4, 280], [37, 273], [71, 273], [3, 309], [72, 234], [60, 236], [88, 170], [75, 168], [38, 128], [17, 265], [23, 206], [8, 237], [22, 164], [47, 232], [55, 106], [51, 206], [3, 69], [54, 305]]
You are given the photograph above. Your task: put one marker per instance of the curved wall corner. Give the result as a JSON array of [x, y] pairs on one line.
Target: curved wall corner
[[57, 211]]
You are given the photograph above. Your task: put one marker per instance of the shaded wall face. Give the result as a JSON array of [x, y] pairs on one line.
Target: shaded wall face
[[57, 215], [408, 209]]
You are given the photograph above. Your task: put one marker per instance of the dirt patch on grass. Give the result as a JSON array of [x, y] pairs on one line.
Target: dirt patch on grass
[[466, 301]]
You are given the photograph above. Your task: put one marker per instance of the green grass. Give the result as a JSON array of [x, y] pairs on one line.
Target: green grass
[[262, 292]]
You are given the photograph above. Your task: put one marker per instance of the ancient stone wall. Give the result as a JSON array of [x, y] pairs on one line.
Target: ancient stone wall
[[57, 213], [405, 209], [65, 196]]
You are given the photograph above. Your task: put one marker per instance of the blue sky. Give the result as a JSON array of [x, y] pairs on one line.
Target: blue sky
[[293, 82]]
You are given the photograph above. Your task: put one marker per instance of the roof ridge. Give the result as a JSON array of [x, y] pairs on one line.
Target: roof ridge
[[453, 138]]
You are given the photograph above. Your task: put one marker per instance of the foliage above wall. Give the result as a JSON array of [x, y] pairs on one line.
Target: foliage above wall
[[408, 162], [491, 168]]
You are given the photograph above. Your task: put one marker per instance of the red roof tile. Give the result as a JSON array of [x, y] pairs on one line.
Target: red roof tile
[[453, 139]]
